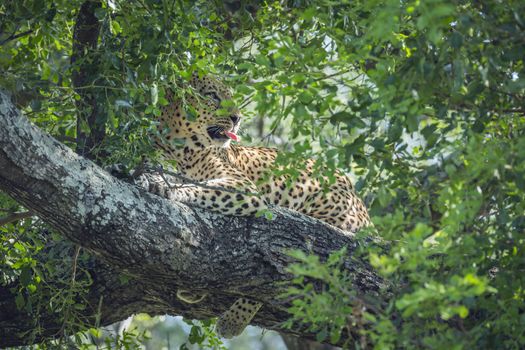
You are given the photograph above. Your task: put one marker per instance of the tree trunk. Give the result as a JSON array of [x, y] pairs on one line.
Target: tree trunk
[[91, 118], [163, 246]]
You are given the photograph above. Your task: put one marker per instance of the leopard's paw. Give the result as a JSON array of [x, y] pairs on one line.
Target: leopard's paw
[[154, 183]]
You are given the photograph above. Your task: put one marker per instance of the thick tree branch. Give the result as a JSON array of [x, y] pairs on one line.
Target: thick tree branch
[[164, 246]]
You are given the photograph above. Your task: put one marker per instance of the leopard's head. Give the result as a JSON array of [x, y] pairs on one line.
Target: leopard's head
[[210, 127]]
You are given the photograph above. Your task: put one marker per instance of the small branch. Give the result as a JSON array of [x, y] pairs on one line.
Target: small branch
[[139, 169], [16, 36], [64, 138], [70, 292], [333, 75], [513, 110], [15, 217], [246, 101]]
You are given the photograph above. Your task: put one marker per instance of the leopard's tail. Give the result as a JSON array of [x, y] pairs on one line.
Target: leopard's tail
[[233, 321]]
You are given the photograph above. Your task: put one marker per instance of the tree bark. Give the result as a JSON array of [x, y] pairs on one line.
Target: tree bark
[[163, 246]]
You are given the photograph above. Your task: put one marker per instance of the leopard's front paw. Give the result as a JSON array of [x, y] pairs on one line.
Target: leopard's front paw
[[142, 181], [154, 183]]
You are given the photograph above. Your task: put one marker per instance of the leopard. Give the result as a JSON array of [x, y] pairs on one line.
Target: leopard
[[231, 179]]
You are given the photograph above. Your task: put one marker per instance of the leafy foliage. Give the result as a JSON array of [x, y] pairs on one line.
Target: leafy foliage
[[54, 286], [203, 334], [422, 101], [327, 309]]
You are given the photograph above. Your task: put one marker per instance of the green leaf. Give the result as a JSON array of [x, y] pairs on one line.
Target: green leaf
[[115, 27]]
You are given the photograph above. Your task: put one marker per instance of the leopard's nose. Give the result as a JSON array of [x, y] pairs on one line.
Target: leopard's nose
[[235, 118]]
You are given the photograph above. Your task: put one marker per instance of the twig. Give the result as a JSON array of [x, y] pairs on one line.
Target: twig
[[15, 217], [139, 169], [75, 260], [16, 36], [70, 291], [64, 138], [144, 6], [333, 75], [246, 101]]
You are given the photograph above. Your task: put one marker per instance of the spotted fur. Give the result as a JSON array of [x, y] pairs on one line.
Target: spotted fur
[[237, 317], [228, 175]]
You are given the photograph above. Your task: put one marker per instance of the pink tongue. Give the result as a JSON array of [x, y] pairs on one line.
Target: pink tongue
[[232, 136]]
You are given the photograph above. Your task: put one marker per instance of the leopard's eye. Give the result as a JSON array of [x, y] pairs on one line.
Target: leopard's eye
[[214, 97]]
